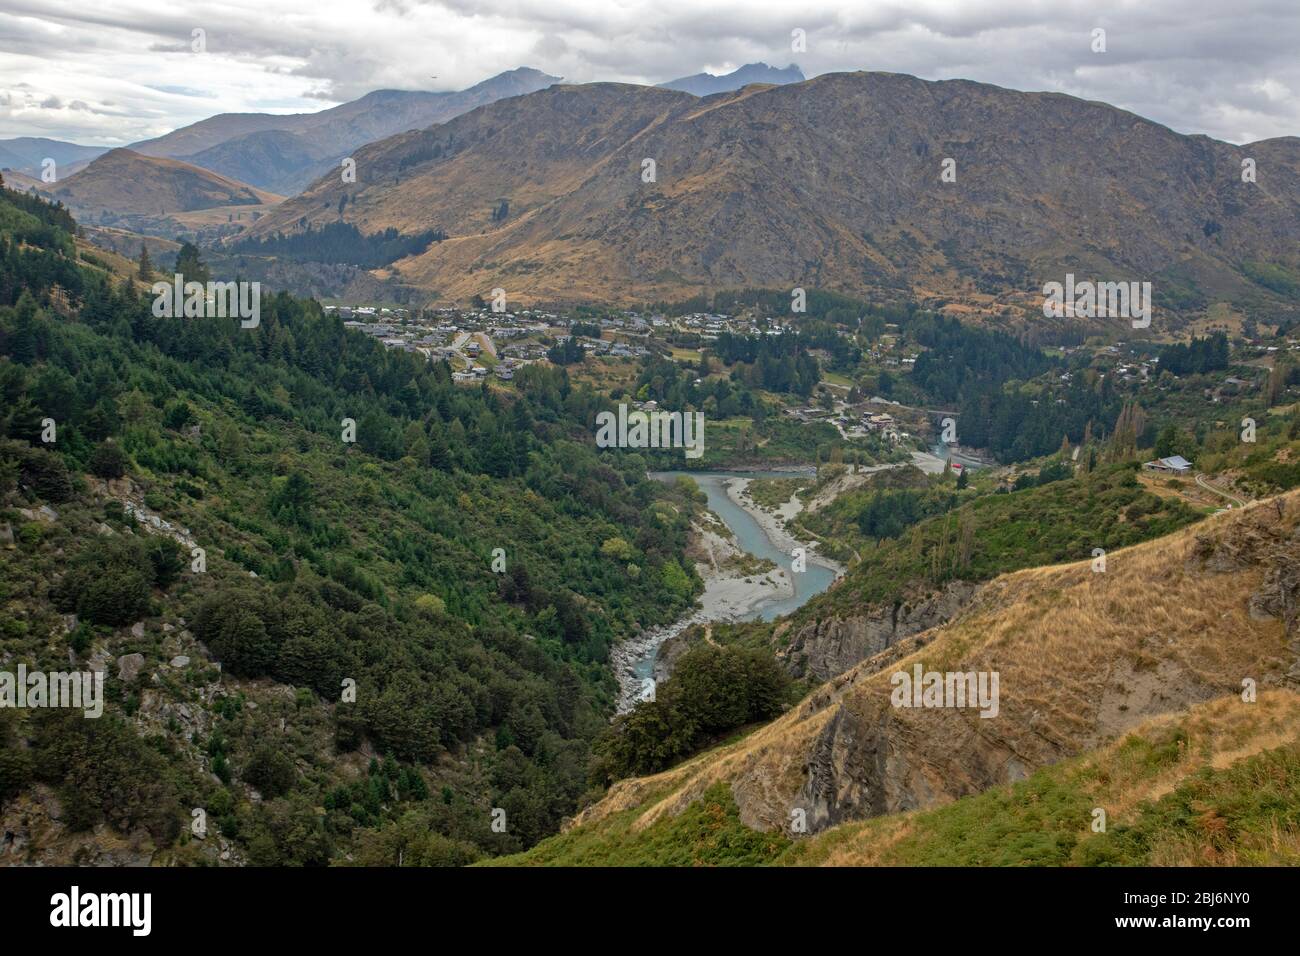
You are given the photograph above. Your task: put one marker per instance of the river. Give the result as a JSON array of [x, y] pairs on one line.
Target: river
[[635, 659]]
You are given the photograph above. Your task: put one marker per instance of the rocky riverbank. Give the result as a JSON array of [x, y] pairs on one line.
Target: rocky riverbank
[[737, 585]]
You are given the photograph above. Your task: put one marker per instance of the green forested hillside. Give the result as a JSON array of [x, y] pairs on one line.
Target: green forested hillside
[[327, 562], [978, 538]]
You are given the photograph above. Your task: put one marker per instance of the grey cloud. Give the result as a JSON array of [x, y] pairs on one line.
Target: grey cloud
[[1198, 66]]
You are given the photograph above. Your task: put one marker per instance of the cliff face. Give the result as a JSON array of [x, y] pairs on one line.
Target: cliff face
[[1082, 657], [824, 648]]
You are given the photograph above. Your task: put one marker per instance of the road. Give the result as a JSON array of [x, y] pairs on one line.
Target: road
[[1200, 480]]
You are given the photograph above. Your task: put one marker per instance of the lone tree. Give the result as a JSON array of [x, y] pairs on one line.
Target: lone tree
[[145, 271]]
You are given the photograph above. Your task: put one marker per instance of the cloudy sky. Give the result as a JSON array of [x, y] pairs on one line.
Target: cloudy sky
[[112, 72]]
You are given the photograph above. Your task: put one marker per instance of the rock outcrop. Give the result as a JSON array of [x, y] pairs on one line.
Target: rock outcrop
[[1083, 657], [830, 646]]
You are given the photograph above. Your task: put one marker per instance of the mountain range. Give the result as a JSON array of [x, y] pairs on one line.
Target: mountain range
[[283, 153], [706, 84], [836, 182], [858, 182], [26, 154]]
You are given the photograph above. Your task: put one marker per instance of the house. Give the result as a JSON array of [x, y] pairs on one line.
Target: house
[[1175, 465]]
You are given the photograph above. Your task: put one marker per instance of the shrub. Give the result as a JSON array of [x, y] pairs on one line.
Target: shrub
[[270, 771], [108, 461], [108, 582], [46, 474], [713, 690]]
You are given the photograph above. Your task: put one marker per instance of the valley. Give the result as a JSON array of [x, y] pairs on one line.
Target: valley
[[809, 464]]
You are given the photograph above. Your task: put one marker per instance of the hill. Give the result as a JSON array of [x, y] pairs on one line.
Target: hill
[[831, 183], [182, 534], [1216, 786], [149, 194], [1168, 635], [21, 181], [920, 575]]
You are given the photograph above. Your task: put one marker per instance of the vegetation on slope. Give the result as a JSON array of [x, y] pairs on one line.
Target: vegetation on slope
[[327, 561], [1218, 786], [712, 692], [989, 535]]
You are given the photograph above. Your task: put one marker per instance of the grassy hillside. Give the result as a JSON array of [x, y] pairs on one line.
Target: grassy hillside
[[977, 538], [1217, 786], [1084, 658]]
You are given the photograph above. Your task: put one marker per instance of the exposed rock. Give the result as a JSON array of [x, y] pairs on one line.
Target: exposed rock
[[100, 660], [180, 660], [137, 629], [671, 649], [825, 648], [1081, 659], [129, 667]]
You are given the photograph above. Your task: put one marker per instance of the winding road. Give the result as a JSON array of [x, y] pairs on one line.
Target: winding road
[[1200, 480]]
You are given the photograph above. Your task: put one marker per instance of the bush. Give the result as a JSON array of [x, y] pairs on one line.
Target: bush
[[46, 474], [108, 582], [167, 560], [235, 634], [115, 599], [15, 762], [108, 461], [270, 771], [713, 691], [105, 771], [177, 416]]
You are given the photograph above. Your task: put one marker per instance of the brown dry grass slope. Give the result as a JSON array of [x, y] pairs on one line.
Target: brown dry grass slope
[[831, 183], [1231, 763], [1083, 657], [125, 183]]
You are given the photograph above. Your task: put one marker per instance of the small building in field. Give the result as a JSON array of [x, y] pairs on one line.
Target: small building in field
[[1174, 465]]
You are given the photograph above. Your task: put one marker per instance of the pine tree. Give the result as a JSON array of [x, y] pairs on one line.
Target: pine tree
[[145, 271], [1276, 384], [190, 265]]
